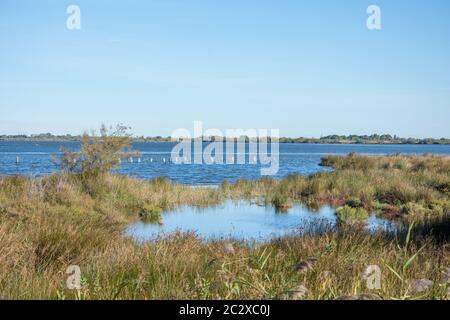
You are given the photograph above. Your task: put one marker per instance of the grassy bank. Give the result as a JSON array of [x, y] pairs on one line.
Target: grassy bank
[[49, 223], [393, 186]]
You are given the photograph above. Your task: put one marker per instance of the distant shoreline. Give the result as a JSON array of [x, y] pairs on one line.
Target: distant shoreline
[[373, 139], [323, 141]]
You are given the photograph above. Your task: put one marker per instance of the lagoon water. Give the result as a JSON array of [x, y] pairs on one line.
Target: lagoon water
[[244, 221], [240, 220], [35, 159]]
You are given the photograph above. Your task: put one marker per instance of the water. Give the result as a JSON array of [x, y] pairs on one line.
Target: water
[[35, 160], [239, 220], [243, 220]]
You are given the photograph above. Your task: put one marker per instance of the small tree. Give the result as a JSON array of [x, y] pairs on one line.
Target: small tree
[[98, 154]]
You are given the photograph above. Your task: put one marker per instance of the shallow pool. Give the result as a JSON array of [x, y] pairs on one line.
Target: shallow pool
[[243, 220]]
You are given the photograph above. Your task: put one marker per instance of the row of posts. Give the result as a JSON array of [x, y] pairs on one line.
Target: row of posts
[[169, 160], [151, 160], [176, 160]]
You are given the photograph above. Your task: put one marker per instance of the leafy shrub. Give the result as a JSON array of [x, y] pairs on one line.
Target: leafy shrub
[[98, 154]]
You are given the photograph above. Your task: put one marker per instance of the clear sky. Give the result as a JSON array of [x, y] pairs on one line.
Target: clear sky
[[308, 68]]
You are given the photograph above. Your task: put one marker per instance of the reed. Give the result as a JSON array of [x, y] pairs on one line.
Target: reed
[[49, 223]]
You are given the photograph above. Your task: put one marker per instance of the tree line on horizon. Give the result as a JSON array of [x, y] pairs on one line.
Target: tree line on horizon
[[331, 139]]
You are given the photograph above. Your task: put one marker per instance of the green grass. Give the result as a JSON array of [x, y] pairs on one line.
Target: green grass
[[281, 203], [384, 184], [349, 214], [49, 223], [151, 214]]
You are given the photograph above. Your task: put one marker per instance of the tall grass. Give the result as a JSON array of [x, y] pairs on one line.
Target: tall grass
[[414, 186], [49, 223]]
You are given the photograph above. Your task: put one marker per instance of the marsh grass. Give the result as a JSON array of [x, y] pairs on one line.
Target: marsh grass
[[281, 203], [150, 214], [49, 223], [351, 214], [414, 186]]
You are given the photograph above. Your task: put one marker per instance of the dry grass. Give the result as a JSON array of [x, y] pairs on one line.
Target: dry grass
[[49, 223], [414, 187]]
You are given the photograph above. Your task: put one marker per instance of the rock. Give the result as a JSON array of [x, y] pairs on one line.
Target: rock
[[446, 276], [298, 293], [372, 277], [229, 248], [305, 265], [370, 271], [420, 286], [364, 296]]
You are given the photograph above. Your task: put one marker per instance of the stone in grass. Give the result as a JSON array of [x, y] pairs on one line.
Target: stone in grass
[[420, 286], [229, 249], [364, 296], [305, 265], [298, 293]]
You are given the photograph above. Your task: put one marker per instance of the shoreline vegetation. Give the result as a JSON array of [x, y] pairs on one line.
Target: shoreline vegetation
[[331, 139], [77, 217]]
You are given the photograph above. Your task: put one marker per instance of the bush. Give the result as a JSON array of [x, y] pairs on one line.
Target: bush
[[281, 203], [349, 214], [150, 214], [98, 154]]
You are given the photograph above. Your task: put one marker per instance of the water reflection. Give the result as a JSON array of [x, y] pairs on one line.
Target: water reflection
[[243, 220]]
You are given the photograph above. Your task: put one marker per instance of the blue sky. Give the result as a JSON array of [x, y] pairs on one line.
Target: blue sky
[[308, 68]]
